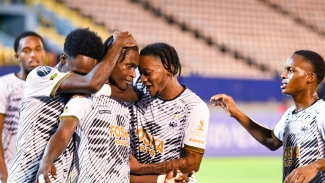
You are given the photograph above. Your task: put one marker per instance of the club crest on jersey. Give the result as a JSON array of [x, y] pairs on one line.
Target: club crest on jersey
[[173, 125], [304, 130], [43, 71]]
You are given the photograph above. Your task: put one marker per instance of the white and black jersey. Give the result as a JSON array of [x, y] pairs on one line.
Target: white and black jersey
[[302, 134], [102, 140], [39, 115], [11, 88], [161, 130]]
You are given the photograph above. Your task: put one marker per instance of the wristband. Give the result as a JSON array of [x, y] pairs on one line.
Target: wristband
[[161, 178], [105, 90], [41, 179]]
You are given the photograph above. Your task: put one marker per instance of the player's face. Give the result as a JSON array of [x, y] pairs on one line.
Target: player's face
[[124, 71], [295, 75], [30, 53], [79, 65], [153, 75]]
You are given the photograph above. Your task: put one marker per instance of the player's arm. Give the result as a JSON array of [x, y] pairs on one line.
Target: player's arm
[[56, 147], [170, 177], [130, 95], [190, 162], [95, 79], [260, 133], [74, 111], [3, 168]]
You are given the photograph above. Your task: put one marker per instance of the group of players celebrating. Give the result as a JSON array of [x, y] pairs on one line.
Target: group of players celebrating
[[92, 118]]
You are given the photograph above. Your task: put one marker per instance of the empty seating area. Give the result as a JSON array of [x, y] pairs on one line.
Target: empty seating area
[[250, 27], [311, 13], [197, 57]]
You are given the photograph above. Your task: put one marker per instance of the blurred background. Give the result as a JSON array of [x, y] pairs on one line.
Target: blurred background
[[237, 47]]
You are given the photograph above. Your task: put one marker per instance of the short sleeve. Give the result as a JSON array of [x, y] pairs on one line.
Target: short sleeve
[[279, 127], [3, 97], [321, 122], [44, 81], [77, 108], [196, 131]]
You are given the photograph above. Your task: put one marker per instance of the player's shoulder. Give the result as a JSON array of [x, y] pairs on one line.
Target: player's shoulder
[[191, 97], [11, 81], [41, 72], [192, 101], [10, 76]]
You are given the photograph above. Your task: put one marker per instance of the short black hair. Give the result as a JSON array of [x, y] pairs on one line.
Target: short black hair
[[23, 35], [167, 55], [108, 43], [316, 61], [82, 41]]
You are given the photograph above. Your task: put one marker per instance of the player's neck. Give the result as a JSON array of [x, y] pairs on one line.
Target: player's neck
[[171, 91], [21, 75], [304, 102]]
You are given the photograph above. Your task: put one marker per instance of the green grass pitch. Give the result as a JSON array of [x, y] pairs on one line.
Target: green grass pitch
[[240, 170]]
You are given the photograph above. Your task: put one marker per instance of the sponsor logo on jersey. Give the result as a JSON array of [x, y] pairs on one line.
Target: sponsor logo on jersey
[[196, 141], [121, 135], [104, 112], [43, 71], [200, 127], [289, 154], [151, 144]]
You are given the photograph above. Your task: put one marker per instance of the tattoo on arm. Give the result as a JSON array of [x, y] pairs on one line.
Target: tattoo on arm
[[184, 164]]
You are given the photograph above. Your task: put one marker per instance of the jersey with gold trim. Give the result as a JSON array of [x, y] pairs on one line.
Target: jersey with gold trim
[[161, 130], [38, 121], [302, 136], [102, 139], [11, 89]]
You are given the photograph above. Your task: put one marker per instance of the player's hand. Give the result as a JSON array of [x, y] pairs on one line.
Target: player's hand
[[226, 102], [125, 39], [135, 166], [302, 174], [179, 177], [46, 167]]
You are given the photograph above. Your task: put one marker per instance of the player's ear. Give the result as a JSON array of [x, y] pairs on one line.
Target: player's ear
[[63, 58], [311, 77]]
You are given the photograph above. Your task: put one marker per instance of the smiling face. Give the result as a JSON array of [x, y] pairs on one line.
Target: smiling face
[[124, 71], [153, 75], [30, 53], [297, 75]]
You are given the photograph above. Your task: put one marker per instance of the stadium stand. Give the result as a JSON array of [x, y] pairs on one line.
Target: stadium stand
[[250, 27], [197, 57], [310, 14]]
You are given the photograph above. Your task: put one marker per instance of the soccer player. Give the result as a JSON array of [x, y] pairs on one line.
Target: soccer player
[[42, 103], [29, 51], [102, 130], [169, 122], [301, 131]]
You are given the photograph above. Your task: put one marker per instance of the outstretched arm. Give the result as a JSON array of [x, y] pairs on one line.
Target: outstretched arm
[[56, 147], [95, 79], [259, 132]]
